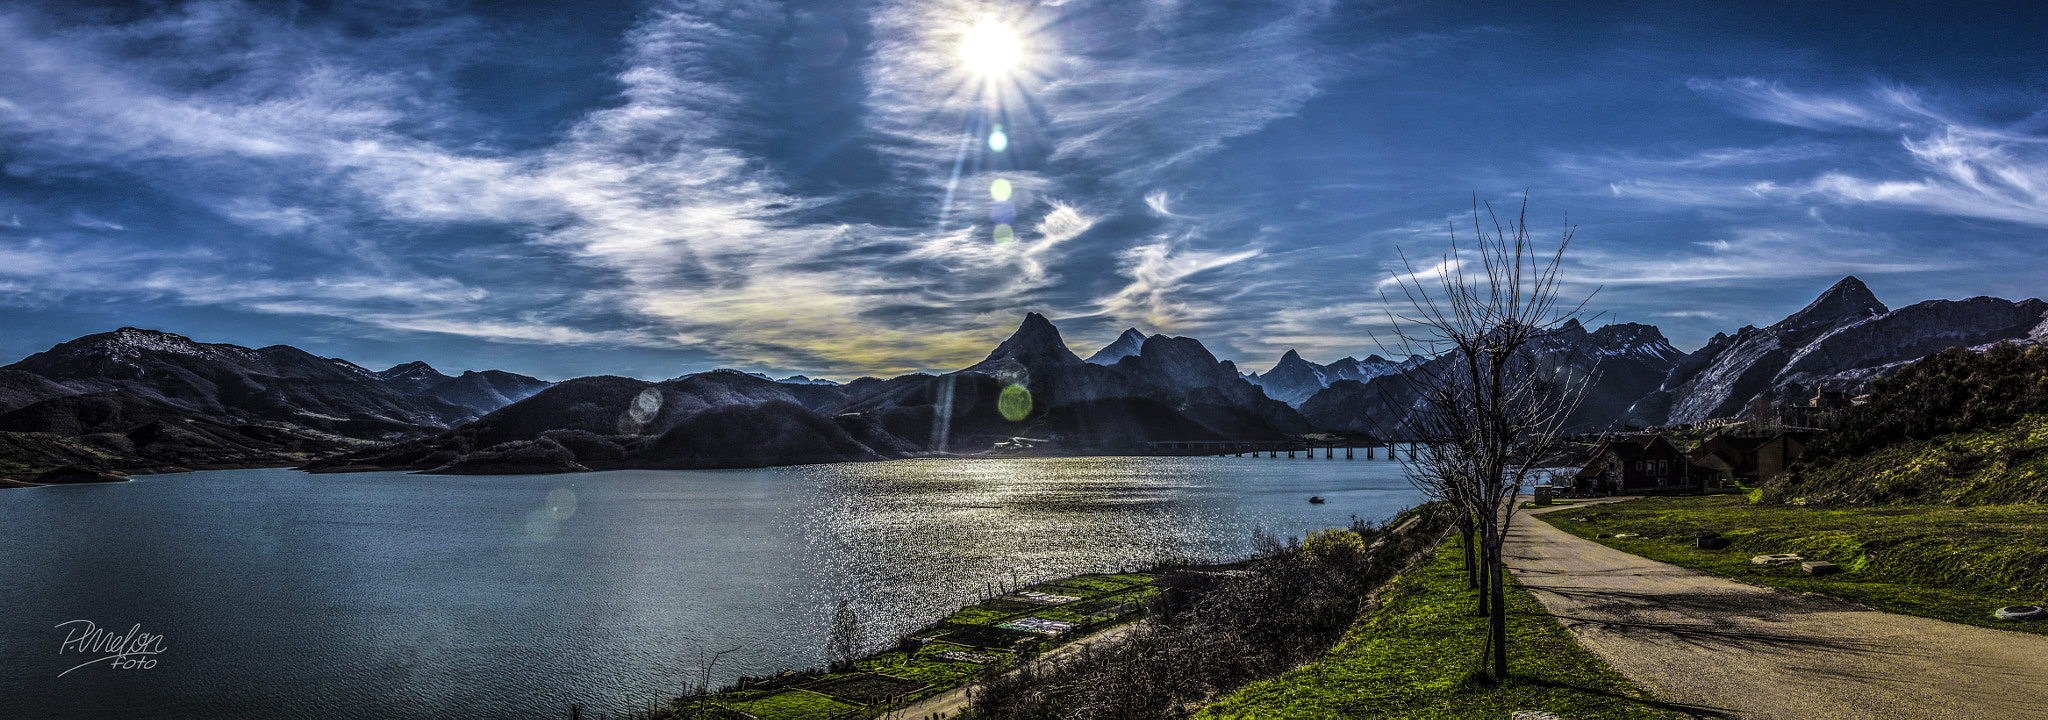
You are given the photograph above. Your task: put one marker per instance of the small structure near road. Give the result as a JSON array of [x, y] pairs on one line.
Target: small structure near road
[[1820, 567]]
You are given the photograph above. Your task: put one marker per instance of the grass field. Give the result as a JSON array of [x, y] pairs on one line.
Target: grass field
[[1414, 657], [793, 705], [1948, 563], [885, 675]]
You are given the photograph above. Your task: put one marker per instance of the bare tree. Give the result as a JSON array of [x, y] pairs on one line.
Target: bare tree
[[1485, 398], [706, 661], [844, 646]]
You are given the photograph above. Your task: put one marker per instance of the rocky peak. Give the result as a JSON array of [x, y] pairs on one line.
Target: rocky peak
[[1035, 343], [129, 341], [1125, 345], [414, 369], [1848, 301], [1290, 359]]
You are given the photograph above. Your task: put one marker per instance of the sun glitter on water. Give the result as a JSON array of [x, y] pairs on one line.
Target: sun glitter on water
[[991, 48]]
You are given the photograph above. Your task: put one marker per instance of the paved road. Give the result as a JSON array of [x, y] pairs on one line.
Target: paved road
[[1748, 652]]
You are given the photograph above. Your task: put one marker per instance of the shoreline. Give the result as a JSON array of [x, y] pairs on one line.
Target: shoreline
[[943, 658]]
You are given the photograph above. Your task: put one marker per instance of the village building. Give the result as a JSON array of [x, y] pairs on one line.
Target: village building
[[1732, 458], [1643, 463], [1749, 460], [1774, 456]]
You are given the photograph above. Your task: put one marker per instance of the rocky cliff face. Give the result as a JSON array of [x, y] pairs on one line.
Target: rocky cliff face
[[1124, 346], [1842, 341], [1617, 363], [1724, 376]]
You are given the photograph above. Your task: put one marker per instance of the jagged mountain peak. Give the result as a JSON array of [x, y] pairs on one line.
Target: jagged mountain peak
[[414, 369], [1125, 345], [1629, 333], [1035, 341], [1846, 301], [132, 338]]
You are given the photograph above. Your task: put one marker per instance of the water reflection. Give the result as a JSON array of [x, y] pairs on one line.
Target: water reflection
[[390, 595]]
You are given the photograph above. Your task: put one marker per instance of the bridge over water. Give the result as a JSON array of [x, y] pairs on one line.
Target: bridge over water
[[1273, 448]]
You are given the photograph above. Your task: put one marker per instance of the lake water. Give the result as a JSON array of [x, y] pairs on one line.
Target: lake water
[[281, 594]]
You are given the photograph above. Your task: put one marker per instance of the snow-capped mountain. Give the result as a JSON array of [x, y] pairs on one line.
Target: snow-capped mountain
[[1842, 341], [1124, 346], [1294, 380]]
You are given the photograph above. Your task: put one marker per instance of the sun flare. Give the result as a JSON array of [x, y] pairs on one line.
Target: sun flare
[[991, 48]]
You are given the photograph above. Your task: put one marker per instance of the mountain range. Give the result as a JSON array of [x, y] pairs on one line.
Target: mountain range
[[148, 401], [141, 400]]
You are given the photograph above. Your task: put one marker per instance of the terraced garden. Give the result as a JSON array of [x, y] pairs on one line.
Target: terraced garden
[[947, 654]]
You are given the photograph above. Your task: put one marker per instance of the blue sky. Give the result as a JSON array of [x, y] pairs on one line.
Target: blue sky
[[657, 188]]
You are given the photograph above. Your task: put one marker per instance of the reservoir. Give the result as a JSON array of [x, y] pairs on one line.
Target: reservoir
[[275, 593]]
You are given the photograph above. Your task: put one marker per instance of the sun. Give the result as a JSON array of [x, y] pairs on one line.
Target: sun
[[992, 49]]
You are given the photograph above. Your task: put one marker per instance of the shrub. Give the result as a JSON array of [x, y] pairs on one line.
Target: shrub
[[1334, 546]]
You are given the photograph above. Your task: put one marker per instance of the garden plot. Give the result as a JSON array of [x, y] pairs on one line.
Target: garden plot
[[1039, 625], [966, 657], [867, 688], [985, 636], [1032, 596]]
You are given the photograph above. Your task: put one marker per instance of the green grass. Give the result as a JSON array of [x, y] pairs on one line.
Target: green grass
[[1414, 657], [793, 705], [969, 625], [979, 615], [1107, 583], [1943, 562], [2005, 464], [923, 667]]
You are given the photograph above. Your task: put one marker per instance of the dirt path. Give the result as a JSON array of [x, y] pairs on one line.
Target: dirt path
[[950, 703], [1748, 652]]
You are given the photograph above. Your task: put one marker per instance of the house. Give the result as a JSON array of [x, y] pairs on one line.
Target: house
[[1732, 458], [1750, 460], [1643, 463], [1778, 453]]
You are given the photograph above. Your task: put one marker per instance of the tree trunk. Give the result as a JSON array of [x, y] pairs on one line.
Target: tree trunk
[[1471, 554], [1497, 616]]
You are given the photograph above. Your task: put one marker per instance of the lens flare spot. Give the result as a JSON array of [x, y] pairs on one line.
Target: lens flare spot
[[999, 190], [998, 140], [1004, 235], [561, 503], [1015, 403], [642, 410], [991, 48], [1002, 213]]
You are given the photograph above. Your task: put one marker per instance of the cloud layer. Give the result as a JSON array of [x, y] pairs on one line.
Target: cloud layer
[[813, 187]]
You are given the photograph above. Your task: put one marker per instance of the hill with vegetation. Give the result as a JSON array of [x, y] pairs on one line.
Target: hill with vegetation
[[1957, 427]]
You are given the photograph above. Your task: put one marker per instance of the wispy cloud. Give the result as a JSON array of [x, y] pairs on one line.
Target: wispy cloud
[[1965, 168], [92, 223], [1166, 280], [1750, 255], [1773, 102]]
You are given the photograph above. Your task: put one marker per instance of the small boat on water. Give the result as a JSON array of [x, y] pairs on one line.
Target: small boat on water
[[1315, 499]]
